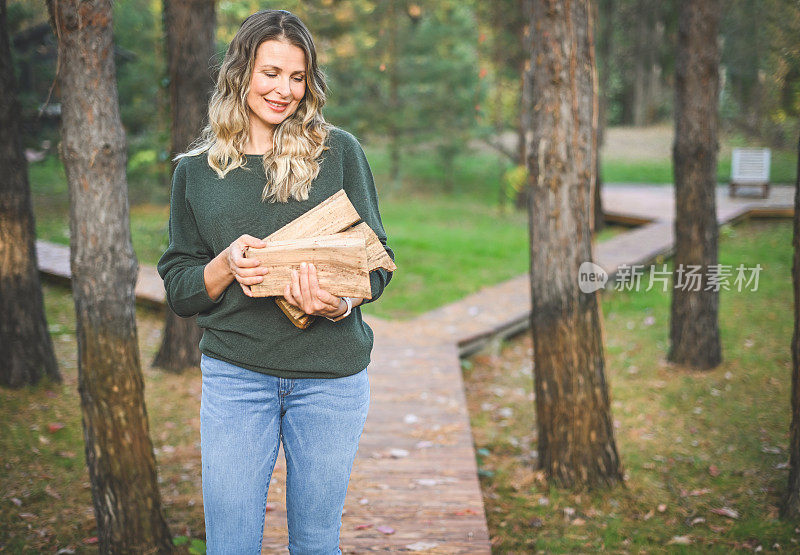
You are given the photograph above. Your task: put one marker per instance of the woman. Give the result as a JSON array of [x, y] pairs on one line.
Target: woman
[[266, 157]]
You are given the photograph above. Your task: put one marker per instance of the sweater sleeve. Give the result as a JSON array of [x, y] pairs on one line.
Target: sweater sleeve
[[181, 266], [360, 188]]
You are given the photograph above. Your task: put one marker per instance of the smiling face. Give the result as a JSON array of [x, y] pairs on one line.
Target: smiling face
[[277, 86]]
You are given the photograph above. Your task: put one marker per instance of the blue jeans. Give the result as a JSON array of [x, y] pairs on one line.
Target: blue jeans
[[244, 415]]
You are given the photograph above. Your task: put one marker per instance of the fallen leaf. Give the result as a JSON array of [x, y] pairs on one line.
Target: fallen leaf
[[680, 540], [578, 522], [362, 526], [649, 515], [662, 507], [726, 511], [465, 512], [270, 507], [16, 501], [91, 540], [421, 546], [702, 491], [385, 530], [713, 470], [53, 427], [717, 529], [51, 492]]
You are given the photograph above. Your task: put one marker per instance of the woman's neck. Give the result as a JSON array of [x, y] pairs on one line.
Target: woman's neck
[[258, 142]]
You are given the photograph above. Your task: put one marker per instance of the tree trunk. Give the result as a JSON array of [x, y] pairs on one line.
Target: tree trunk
[[694, 330], [394, 100], [119, 452], [526, 101], [25, 345], [604, 54], [576, 436], [791, 500], [640, 63], [189, 27]]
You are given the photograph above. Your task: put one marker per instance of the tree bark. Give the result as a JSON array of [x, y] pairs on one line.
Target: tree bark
[[26, 350], [523, 198], [576, 436], [604, 53], [694, 329], [189, 27], [791, 500], [119, 453], [394, 99]]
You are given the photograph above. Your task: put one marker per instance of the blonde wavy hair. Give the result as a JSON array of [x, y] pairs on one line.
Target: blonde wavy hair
[[298, 142]]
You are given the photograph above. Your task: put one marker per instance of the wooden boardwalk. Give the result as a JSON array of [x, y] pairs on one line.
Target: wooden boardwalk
[[415, 471]]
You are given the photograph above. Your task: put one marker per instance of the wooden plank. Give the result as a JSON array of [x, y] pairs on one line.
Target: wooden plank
[[340, 259], [334, 214], [377, 256]]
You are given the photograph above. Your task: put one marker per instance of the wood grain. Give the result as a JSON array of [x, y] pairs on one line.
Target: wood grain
[[335, 213], [340, 260]]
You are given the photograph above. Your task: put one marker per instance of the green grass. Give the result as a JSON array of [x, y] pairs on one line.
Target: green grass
[[448, 244], [783, 169], [445, 249], [690, 441]]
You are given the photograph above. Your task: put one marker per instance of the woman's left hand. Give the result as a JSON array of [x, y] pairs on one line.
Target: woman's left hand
[[305, 293]]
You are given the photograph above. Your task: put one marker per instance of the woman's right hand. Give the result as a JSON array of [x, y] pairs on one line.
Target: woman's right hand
[[247, 271]]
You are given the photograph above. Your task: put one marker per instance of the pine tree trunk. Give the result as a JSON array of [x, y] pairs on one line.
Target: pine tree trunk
[[189, 27], [576, 436], [640, 63], [791, 500], [26, 350], [606, 38], [394, 99], [526, 101], [119, 452], [694, 329]]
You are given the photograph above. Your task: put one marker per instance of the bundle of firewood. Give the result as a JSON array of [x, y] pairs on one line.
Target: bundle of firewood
[[327, 236]]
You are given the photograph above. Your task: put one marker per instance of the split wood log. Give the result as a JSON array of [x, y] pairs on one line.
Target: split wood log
[[377, 257], [340, 260], [334, 214]]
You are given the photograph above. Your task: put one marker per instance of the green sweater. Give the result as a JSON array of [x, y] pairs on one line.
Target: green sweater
[[208, 213]]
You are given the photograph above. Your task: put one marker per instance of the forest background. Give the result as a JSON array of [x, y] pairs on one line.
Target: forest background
[[432, 90]]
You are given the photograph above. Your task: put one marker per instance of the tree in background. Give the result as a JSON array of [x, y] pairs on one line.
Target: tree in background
[[605, 41], [694, 325], [407, 72], [444, 94], [367, 68], [25, 345], [575, 430], [761, 59], [189, 29], [791, 499], [119, 453]]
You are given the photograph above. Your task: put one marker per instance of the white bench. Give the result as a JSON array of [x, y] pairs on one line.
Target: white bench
[[750, 168]]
